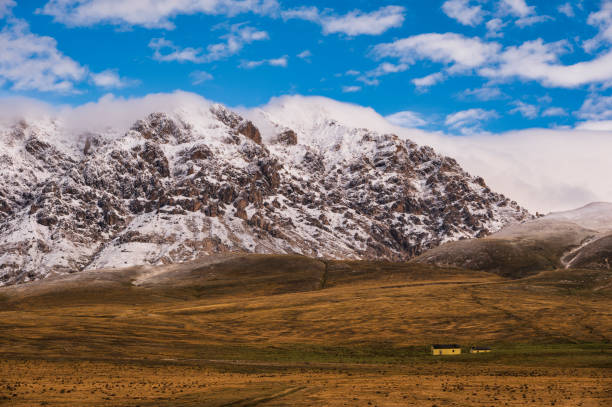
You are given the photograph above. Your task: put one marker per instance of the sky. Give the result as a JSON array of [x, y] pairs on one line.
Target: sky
[[476, 71]]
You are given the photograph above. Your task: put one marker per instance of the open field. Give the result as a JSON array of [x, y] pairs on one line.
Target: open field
[[74, 383], [287, 330]]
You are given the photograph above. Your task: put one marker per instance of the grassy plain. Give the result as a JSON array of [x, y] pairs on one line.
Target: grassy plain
[[287, 330]]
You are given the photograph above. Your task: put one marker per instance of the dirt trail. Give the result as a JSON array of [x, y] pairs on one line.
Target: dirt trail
[[568, 258], [251, 402]]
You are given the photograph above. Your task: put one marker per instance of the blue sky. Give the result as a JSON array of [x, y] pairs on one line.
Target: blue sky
[[459, 66]]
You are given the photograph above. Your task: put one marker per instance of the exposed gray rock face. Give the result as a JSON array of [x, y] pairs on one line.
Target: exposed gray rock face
[[177, 187]]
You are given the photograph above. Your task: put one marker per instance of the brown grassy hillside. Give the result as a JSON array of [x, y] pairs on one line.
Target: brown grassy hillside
[[289, 330], [517, 251]]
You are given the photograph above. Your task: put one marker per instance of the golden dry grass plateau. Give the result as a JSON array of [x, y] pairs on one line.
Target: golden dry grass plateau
[[293, 331]]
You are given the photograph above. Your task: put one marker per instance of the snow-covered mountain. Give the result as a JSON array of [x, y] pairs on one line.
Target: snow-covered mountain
[[201, 179]]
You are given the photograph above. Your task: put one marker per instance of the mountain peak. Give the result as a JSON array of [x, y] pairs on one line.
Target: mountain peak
[[199, 179]]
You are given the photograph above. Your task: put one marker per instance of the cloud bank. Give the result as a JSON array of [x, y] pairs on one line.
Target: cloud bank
[[29, 61], [534, 60]]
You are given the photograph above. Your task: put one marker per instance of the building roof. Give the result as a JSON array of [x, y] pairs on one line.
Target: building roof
[[452, 346], [480, 348]]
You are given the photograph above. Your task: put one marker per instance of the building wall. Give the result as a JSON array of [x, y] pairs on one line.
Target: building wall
[[438, 352], [479, 351]]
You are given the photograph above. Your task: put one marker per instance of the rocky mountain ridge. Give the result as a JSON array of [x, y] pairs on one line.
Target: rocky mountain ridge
[[181, 185]]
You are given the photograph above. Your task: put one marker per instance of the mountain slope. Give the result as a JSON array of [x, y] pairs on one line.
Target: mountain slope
[[202, 179], [580, 238], [596, 216]]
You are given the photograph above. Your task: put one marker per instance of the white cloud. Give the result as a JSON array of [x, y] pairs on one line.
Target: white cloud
[[305, 55], [281, 62], [370, 78], [147, 13], [470, 13], [554, 112], [531, 20], [518, 8], [238, 37], [198, 77], [352, 72], [6, 7], [545, 170], [601, 19], [596, 125], [469, 121], [32, 62], [545, 99], [358, 23], [596, 108], [494, 27], [567, 9], [387, 68], [525, 109], [108, 111], [485, 93], [235, 40], [458, 52], [463, 11], [109, 79], [526, 14], [470, 116], [351, 89], [303, 13], [429, 80], [407, 119], [353, 23], [539, 61], [167, 51], [532, 60]]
